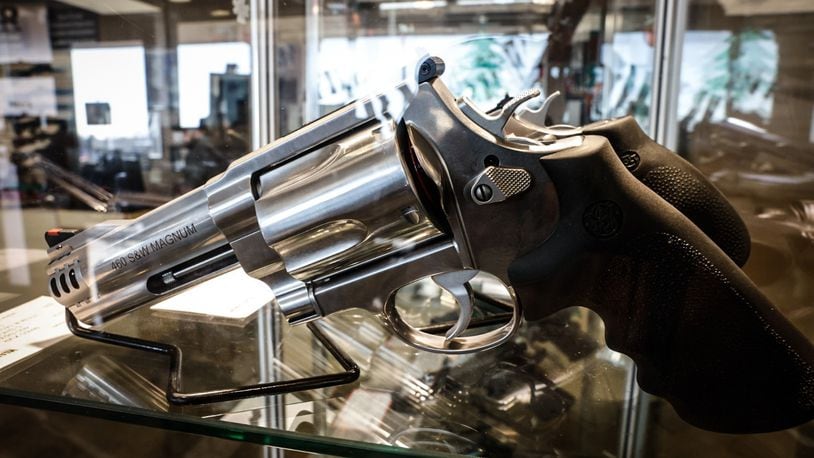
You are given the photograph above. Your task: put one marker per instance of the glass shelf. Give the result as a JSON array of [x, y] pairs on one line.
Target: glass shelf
[[554, 389]]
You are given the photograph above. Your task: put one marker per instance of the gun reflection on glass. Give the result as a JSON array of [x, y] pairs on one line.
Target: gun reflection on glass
[[415, 183], [497, 400], [102, 379]]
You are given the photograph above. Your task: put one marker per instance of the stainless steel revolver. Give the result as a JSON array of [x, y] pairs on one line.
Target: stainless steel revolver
[[416, 184]]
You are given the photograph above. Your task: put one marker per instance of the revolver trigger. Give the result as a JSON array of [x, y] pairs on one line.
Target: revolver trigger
[[457, 284]]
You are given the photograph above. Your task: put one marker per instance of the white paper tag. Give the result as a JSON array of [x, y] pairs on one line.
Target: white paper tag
[[233, 295], [30, 328]]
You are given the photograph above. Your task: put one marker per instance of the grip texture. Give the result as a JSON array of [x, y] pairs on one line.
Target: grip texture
[[702, 335], [679, 183], [725, 359]]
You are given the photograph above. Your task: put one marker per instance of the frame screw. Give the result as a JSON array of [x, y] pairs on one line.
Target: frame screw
[[483, 193], [411, 215]]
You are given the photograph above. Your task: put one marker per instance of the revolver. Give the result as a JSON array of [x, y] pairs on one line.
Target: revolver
[[415, 183]]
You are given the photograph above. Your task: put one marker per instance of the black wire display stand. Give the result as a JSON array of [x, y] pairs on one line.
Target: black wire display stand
[[349, 375], [176, 396]]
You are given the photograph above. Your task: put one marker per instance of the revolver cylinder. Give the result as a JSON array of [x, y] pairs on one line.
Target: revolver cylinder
[[342, 205]]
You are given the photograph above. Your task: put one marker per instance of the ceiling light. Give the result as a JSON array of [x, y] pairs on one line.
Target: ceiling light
[[415, 5], [114, 7]]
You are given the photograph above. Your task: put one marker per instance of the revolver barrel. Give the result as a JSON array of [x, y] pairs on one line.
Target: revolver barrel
[[110, 268]]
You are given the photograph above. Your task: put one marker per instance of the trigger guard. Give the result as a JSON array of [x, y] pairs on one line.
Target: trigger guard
[[455, 345]]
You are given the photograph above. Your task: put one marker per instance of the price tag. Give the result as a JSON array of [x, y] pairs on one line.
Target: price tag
[[30, 328]]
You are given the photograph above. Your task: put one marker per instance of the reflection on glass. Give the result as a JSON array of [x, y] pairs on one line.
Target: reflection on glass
[[724, 73], [32, 96], [115, 77], [25, 36], [196, 63], [542, 393], [628, 62], [484, 68], [745, 114], [597, 54], [102, 104]]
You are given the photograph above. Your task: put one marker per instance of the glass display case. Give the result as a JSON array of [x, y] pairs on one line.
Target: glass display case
[[111, 110], [554, 388]]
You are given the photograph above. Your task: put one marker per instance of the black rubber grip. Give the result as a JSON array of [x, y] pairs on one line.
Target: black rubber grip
[[677, 182], [702, 335]]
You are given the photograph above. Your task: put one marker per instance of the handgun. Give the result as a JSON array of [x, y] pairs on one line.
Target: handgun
[[415, 183]]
